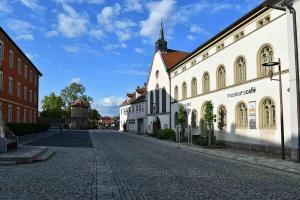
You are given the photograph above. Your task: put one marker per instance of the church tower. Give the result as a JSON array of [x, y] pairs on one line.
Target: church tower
[[161, 44]]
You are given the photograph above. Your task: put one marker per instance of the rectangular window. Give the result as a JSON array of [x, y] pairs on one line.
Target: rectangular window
[[176, 73], [183, 69], [11, 59], [194, 62], [30, 116], [25, 93], [19, 90], [18, 114], [10, 113], [220, 47], [10, 85], [239, 36], [30, 76], [263, 21], [25, 72], [19, 66], [25, 116], [1, 79], [35, 99], [1, 50], [205, 55], [30, 96]]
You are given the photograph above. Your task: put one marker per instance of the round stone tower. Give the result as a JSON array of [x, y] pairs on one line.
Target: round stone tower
[[79, 115]]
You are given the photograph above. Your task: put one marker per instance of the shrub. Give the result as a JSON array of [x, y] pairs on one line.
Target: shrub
[[23, 129], [220, 143], [166, 134], [201, 141]]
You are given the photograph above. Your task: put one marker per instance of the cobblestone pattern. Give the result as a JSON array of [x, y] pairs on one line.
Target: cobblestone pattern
[[145, 169], [68, 175]]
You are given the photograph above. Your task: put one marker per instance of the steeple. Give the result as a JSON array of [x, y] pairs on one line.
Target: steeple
[[161, 44]]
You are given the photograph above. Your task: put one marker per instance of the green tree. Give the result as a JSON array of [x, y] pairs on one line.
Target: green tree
[[209, 119], [52, 106], [221, 123], [94, 114], [181, 115], [74, 92]]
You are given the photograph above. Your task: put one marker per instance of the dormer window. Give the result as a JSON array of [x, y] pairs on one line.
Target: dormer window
[[157, 74]]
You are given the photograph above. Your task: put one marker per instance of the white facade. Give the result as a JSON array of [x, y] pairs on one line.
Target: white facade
[[157, 81]]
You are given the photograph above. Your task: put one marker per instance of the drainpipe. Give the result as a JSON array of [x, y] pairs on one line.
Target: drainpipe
[[170, 120]]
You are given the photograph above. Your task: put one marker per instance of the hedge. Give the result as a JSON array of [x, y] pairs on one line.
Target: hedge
[[24, 128], [166, 134]]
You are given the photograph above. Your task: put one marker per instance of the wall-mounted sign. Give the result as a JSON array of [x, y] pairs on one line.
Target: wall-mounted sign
[[252, 114], [241, 93]]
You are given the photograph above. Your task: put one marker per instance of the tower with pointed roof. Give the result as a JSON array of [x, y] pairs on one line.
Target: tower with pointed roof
[[161, 44]]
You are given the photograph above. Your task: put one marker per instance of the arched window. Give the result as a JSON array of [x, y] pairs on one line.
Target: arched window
[[164, 100], [176, 119], [184, 91], [157, 97], [194, 87], [205, 83], [186, 119], [176, 93], [194, 118], [151, 102], [222, 116], [241, 116], [240, 70], [268, 114], [264, 55], [221, 77]]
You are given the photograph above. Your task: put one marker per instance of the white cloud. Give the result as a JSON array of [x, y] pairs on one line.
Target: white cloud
[[158, 10], [133, 5], [109, 105], [33, 5], [22, 29], [191, 37], [139, 50], [113, 47], [51, 34], [75, 80], [97, 33], [107, 15], [81, 1], [132, 72], [5, 7], [71, 49], [71, 23]]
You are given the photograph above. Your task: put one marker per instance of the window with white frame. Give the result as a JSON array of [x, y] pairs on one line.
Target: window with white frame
[[238, 35], [25, 116], [25, 72], [10, 113], [19, 66], [10, 85], [30, 76], [18, 114], [19, 90], [1, 79], [1, 50], [30, 96], [11, 59], [25, 93], [265, 20]]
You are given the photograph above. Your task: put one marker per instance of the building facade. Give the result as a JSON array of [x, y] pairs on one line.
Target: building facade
[[19, 83], [79, 115], [133, 111]]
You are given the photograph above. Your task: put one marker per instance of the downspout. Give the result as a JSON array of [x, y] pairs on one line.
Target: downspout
[[289, 6], [170, 120]]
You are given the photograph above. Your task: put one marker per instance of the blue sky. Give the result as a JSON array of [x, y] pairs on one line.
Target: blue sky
[[108, 45]]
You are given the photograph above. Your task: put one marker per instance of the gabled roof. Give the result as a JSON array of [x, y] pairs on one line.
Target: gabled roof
[[172, 57], [79, 103]]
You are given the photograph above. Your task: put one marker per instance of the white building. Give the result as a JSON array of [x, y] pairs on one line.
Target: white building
[[227, 70], [133, 111]]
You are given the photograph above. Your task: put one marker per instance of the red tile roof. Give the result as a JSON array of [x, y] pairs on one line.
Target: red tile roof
[[171, 57], [79, 103]]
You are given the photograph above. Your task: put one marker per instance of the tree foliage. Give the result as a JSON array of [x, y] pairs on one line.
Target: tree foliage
[[208, 113], [221, 123], [181, 115], [74, 92], [94, 114], [52, 106]]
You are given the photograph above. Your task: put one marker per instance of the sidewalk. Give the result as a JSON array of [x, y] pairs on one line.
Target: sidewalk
[[256, 158]]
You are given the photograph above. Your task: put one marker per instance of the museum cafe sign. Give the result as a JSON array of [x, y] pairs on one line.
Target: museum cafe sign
[[242, 93]]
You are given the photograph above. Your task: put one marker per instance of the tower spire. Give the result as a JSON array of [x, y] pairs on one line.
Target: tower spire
[[161, 44]]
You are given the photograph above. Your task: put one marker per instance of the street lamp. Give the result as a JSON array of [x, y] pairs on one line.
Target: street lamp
[[269, 63]]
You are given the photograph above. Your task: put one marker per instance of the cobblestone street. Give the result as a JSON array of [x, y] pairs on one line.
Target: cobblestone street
[[109, 165]]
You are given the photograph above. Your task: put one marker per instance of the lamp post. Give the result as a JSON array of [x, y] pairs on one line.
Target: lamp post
[[270, 63]]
